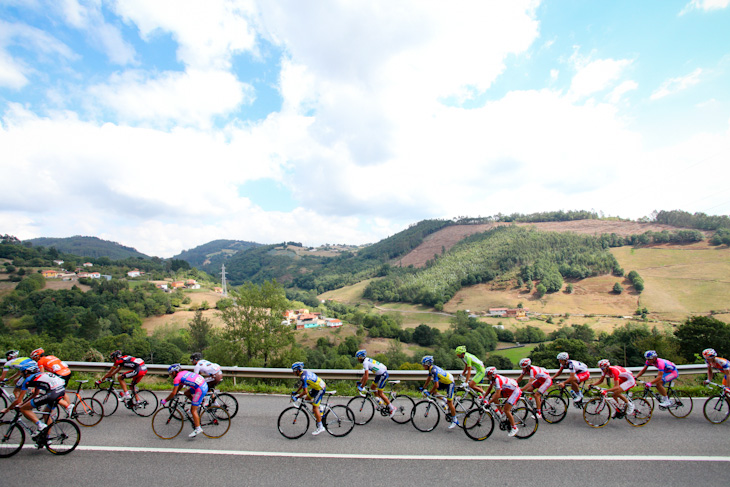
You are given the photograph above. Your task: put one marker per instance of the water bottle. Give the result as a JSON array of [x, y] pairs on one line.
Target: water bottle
[[443, 403], [573, 394]]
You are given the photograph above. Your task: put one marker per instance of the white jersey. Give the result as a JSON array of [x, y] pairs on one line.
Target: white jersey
[[374, 366], [203, 367], [576, 366]]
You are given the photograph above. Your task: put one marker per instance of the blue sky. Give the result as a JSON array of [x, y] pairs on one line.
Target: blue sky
[[164, 125]]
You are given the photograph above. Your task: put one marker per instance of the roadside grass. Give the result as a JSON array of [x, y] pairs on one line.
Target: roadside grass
[[515, 354]]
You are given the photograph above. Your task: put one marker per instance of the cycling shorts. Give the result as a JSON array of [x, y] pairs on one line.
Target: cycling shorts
[[379, 380], [583, 376], [514, 397], [317, 397], [199, 394], [213, 380], [66, 378], [541, 385], [51, 398], [136, 374], [669, 376], [479, 377], [449, 388], [627, 384]]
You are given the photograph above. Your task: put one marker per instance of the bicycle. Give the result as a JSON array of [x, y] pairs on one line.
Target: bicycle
[[223, 400], [597, 411], [366, 403], [561, 393], [338, 420], [7, 399], [680, 407], [60, 437], [87, 411], [426, 413], [554, 407], [168, 421], [479, 422], [717, 407], [142, 402]]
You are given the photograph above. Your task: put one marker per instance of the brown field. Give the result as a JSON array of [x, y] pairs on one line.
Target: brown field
[[179, 319], [56, 285]]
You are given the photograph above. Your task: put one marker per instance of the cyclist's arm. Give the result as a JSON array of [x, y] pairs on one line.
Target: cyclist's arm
[[599, 381], [172, 393], [435, 387], [520, 377], [112, 371], [709, 371], [364, 380], [560, 370], [641, 372], [33, 394]]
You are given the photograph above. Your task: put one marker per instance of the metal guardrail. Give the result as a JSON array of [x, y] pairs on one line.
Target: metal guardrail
[[343, 374]]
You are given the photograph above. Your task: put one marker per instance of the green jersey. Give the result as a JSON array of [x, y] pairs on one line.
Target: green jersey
[[470, 360]]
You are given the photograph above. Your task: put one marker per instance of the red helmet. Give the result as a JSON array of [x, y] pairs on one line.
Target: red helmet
[[37, 353]]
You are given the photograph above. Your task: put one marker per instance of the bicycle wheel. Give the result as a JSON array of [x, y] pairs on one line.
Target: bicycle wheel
[[425, 416], [88, 412], [465, 398], [3, 403], [649, 397], [167, 423], [12, 439], [62, 437], [339, 420], [215, 421], [146, 405], [363, 409], [525, 421], [403, 408], [228, 402], [460, 412], [108, 400], [717, 409], [554, 409], [597, 412], [293, 422], [478, 424], [681, 406], [642, 412]]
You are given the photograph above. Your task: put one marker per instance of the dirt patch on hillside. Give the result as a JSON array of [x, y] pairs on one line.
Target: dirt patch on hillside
[[179, 319], [446, 238]]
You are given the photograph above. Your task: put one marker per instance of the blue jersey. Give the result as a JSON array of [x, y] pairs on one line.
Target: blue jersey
[[440, 375], [190, 379], [311, 381], [20, 363]]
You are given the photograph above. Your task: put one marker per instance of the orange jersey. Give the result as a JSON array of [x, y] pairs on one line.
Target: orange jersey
[[54, 365]]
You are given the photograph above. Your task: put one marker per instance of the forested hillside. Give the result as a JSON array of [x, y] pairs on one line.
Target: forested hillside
[[211, 255], [88, 247]]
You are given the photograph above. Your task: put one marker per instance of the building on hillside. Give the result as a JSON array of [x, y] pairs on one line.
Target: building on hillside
[[49, 274], [218, 290], [107, 277], [333, 322], [497, 311], [134, 273], [67, 276], [82, 275], [517, 312], [177, 285], [87, 264], [58, 262]]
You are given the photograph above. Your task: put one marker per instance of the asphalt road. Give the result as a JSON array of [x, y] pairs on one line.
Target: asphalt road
[[123, 450]]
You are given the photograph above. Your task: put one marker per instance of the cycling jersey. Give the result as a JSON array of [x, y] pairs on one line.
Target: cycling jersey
[[623, 377], [55, 365], [440, 375], [50, 387], [720, 364], [130, 362], [374, 366], [576, 366], [195, 382], [311, 381], [668, 369], [541, 379], [203, 367], [20, 363], [508, 388], [472, 361]]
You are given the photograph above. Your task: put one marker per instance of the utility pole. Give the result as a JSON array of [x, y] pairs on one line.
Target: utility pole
[[223, 280]]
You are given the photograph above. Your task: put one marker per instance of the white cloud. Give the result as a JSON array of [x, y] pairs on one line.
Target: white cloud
[[705, 5], [675, 85], [596, 76]]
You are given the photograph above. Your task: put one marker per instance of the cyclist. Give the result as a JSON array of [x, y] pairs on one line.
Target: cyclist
[[667, 373], [472, 364], [51, 363], [380, 373], [508, 389], [196, 391], [715, 362], [139, 369], [48, 389], [212, 372], [578, 374], [441, 380], [311, 386], [18, 365], [623, 381], [540, 382]]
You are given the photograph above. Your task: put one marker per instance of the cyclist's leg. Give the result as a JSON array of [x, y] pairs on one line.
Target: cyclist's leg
[[476, 380], [378, 385], [316, 401], [511, 401], [196, 400]]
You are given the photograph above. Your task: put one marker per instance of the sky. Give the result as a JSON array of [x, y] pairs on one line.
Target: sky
[[166, 124]]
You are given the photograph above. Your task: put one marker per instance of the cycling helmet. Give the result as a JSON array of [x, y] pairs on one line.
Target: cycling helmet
[[427, 360], [37, 353], [196, 356], [11, 354], [460, 349], [709, 353], [361, 354], [650, 354], [602, 364], [525, 362], [490, 371], [297, 366], [33, 369], [115, 354], [563, 356], [173, 369]]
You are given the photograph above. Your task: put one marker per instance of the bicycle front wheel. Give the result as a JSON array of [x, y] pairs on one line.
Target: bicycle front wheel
[[3, 404], [642, 412], [363, 409], [525, 421], [63, 437], [554, 409], [145, 403], [681, 406], [717, 409], [167, 423], [339, 420], [293, 422], [228, 402], [465, 398], [478, 424], [215, 421], [88, 412], [12, 439], [403, 407], [425, 416], [597, 412], [108, 400]]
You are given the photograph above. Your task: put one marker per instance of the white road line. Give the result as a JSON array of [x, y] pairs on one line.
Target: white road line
[[363, 456]]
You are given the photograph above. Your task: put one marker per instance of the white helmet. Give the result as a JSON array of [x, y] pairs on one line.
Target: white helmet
[[490, 371], [563, 356], [525, 362], [602, 364]]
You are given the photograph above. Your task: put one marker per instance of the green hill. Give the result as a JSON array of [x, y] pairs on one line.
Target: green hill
[[211, 255], [92, 247]]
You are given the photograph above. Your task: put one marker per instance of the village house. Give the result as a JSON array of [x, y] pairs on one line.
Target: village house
[[497, 311], [87, 264], [177, 285], [49, 274], [333, 322], [134, 273], [58, 262]]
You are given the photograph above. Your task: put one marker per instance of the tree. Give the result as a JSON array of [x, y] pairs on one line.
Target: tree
[[200, 328], [700, 332], [618, 288], [253, 323], [540, 290], [569, 289], [424, 335]]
